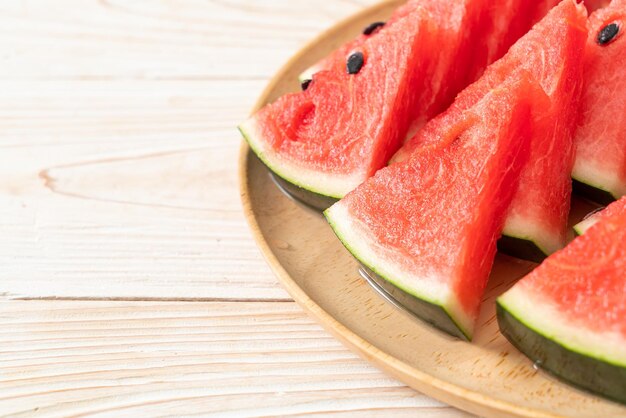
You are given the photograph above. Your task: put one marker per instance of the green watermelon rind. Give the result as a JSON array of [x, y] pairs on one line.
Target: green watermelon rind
[[592, 191], [576, 367], [313, 200], [584, 367], [513, 297], [520, 240], [521, 247], [426, 311], [374, 266], [583, 226], [597, 185], [308, 73], [318, 182]]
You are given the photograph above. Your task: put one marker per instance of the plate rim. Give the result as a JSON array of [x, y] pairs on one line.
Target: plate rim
[[441, 390]]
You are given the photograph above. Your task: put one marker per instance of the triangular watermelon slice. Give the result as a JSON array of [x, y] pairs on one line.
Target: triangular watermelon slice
[[569, 315], [429, 225], [600, 168], [552, 52], [346, 125]]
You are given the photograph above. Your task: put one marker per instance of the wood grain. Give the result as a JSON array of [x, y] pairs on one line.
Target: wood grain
[[119, 148], [118, 180], [63, 358], [146, 39]]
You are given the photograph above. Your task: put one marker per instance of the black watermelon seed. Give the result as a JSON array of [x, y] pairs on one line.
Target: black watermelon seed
[[372, 28], [305, 84], [608, 33], [355, 62]]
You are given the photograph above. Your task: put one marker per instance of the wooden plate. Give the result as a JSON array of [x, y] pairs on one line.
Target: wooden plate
[[487, 377]]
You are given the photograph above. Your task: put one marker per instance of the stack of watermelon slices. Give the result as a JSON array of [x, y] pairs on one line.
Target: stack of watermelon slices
[[353, 116], [537, 220], [497, 162], [428, 225]]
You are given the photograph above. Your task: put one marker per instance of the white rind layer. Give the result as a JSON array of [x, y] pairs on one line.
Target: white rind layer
[[308, 73], [607, 181], [327, 184], [431, 287], [542, 317], [584, 226], [518, 227]]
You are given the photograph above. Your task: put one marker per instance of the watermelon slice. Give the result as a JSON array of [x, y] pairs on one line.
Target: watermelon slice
[[569, 315], [600, 168], [552, 52], [429, 225], [346, 125]]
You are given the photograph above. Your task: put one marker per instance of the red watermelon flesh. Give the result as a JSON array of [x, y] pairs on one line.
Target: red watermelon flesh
[[336, 60], [429, 225], [585, 281], [344, 127], [552, 53], [570, 313], [506, 22], [473, 34], [601, 134]]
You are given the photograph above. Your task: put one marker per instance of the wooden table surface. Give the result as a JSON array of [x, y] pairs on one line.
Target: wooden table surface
[[130, 283]]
